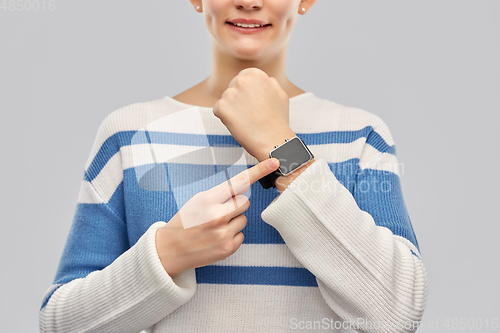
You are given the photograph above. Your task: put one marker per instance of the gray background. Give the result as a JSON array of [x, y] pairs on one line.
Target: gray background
[[430, 69]]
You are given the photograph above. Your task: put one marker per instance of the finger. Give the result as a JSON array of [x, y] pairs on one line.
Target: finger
[[251, 70], [230, 209], [240, 183], [235, 206], [245, 71], [238, 240], [237, 224], [276, 84], [233, 81]]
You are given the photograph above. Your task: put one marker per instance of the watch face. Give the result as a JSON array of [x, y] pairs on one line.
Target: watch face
[[291, 155]]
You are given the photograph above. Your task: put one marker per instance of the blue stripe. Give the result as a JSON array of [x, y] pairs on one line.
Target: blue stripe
[[372, 138], [152, 206], [117, 203], [161, 205], [379, 193], [374, 189], [195, 140], [376, 141], [256, 275], [112, 145], [96, 234], [107, 150]]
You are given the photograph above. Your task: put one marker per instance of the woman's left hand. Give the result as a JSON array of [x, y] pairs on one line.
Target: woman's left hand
[[255, 110]]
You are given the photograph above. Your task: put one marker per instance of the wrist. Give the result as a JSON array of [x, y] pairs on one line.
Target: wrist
[[170, 267], [283, 181], [267, 145]]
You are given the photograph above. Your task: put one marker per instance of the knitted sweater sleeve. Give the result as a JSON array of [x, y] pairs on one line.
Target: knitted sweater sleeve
[[360, 246], [102, 284]]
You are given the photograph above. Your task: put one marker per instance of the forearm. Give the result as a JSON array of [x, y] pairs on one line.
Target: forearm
[[363, 270]]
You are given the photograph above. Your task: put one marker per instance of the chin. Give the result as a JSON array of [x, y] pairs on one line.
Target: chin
[[248, 54], [248, 57]]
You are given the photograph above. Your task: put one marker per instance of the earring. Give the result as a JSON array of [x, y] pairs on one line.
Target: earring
[[303, 9], [197, 7]]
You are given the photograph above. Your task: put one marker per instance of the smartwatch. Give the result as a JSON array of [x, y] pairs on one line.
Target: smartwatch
[[292, 155]]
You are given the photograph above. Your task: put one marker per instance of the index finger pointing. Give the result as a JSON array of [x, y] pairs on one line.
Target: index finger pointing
[[240, 183]]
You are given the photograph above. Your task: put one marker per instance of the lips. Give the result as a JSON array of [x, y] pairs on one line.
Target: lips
[[248, 21], [248, 30], [234, 25]]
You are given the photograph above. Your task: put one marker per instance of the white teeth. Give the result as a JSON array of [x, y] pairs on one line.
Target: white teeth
[[251, 25]]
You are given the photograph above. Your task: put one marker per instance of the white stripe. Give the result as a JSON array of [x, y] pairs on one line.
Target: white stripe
[[251, 308], [340, 118], [184, 121], [138, 155], [128, 118], [106, 182], [164, 115], [88, 195], [374, 159], [266, 255], [338, 152], [158, 114]]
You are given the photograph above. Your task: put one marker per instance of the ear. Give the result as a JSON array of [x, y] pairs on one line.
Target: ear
[[306, 4], [196, 3]]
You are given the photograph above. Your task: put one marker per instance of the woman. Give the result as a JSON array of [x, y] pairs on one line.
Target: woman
[[331, 248]]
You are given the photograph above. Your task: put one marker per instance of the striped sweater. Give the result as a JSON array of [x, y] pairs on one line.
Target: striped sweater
[[335, 251]]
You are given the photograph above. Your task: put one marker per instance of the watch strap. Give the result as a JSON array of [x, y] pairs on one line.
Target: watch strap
[[269, 180]]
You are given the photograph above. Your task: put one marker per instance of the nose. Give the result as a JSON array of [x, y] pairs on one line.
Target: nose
[[248, 4]]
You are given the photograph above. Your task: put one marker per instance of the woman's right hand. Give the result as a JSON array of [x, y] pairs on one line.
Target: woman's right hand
[[208, 227]]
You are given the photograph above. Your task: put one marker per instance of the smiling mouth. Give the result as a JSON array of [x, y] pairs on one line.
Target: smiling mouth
[[248, 26]]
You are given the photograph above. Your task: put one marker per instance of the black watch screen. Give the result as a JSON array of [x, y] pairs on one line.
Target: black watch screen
[[292, 154]]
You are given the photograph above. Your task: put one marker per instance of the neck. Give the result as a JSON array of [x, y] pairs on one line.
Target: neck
[[225, 67]]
